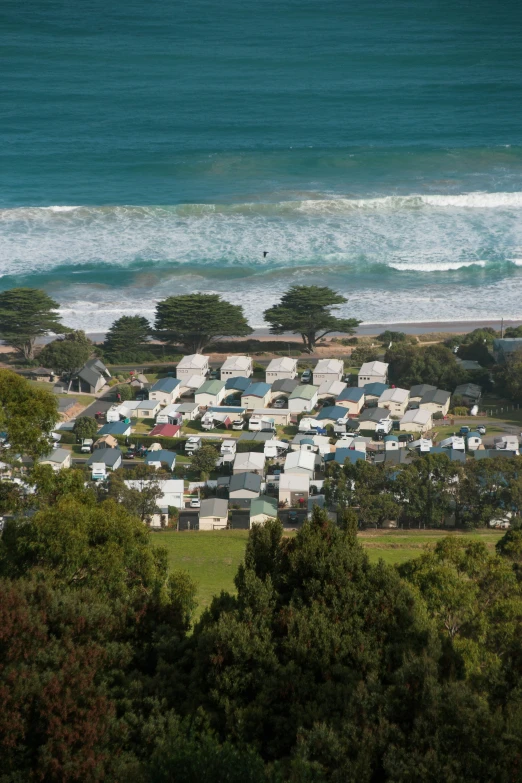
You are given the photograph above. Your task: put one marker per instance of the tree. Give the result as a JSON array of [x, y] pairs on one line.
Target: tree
[[364, 353], [508, 377], [204, 460], [85, 427], [25, 314], [307, 310], [435, 365], [27, 413], [126, 391], [68, 354], [194, 320], [128, 333]]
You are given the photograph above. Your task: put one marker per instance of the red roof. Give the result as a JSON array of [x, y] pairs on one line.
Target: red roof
[[167, 430]]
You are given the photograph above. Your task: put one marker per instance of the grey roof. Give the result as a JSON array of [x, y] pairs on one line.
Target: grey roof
[[249, 481], [492, 453], [187, 407], [57, 455], [213, 507], [162, 455], [421, 389], [439, 397], [398, 457], [469, 390], [454, 454], [65, 405], [261, 437], [148, 405], [374, 414], [89, 376], [285, 385], [97, 365], [238, 384], [108, 456]]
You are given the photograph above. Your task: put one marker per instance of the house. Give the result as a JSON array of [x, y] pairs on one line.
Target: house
[[505, 347], [473, 441], [437, 401], [455, 442], [110, 458], [331, 388], [116, 428], [244, 486], [188, 386], [303, 399], [341, 455], [280, 416], [454, 455], [148, 409], [89, 380], [262, 509], [249, 462], [280, 368], [213, 514], [165, 390], [256, 396], [170, 414], [41, 374], [274, 448], [507, 443], [396, 400], [188, 410], [57, 459], [372, 372], [283, 388], [294, 489], [328, 370], [106, 442], [211, 393], [330, 414], [391, 443], [300, 461], [351, 398], [417, 392], [237, 384], [470, 393], [172, 494], [166, 430], [372, 391], [417, 420], [123, 410], [139, 381], [235, 366], [194, 364], [370, 418], [302, 442], [161, 458], [423, 445]]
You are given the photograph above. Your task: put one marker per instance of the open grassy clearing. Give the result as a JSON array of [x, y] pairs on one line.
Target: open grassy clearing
[[212, 558]]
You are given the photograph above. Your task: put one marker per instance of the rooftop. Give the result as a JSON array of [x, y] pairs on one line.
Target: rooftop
[[333, 366], [304, 392], [213, 507], [282, 364], [211, 387], [353, 393], [194, 361], [258, 389], [248, 481], [166, 385], [374, 368], [237, 363], [263, 505], [240, 383]]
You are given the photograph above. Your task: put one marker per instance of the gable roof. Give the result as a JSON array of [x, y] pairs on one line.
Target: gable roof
[[89, 375], [248, 481], [255, 436], [166, 385], [439, 397], [57, 456], [454, 454], [213, 507], [286, 385], [108, 457], [374, 414], [194, 361], [394, 395], [421, 389], [250, 460], [282, 364], [329, 366], [263, 505], [375, 389], [167, 430], [237, 363], [114, 428], [240, 383], [211, 387], [416, 416], [303, 392], [258, 389], [352, 393], [374, 368], [162, 455], [332, 412], [341, 455], [300, 459]]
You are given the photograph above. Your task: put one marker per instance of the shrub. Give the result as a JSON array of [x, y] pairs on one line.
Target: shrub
[[460, 411], [438, 416]]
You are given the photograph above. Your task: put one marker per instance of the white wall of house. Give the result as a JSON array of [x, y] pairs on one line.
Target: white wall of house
[[208, 400], [212, 523], [300, 405], [275, 371], [250, 402]]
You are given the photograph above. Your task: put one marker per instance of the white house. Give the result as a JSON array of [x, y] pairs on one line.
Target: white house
[[244, 486], [391, 443], [437, 401], [110, 458], [57, 459], [213, 514], [396, 400], [212, 393], [300, 462], [190, 385], [170, 414], [455, 442], [195, 364], [330, 388], [352, 398], [328, 370], [262, 509], [249, 462], [236, 366], [370, 418], [372, 372], [294, 488], [417, 421], [279, 415], [473, 441], [165, 390], [171, 495], [280, 368], [148, 409], [303, 399], [257, 395], [507, 443], [189, 410]]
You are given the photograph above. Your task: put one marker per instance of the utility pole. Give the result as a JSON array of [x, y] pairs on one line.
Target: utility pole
[[502, 328]]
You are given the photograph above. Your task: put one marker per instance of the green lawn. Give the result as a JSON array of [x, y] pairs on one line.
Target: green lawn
[[212, 558]]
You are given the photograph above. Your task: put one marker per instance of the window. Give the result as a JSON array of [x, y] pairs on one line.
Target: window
[[217, 519]]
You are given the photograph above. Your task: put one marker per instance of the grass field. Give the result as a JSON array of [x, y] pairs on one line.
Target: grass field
[[212, 559]]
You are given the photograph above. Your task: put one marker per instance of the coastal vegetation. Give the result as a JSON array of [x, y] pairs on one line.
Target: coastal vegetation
[[25, 315], [128, 334]]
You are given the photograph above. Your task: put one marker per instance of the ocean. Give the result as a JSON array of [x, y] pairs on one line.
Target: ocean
[[150, 149]]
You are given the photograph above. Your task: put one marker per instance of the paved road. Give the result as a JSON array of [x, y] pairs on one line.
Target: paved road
[[102, 403]]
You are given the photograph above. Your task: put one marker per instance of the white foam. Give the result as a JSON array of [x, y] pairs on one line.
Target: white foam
[[438, 267]]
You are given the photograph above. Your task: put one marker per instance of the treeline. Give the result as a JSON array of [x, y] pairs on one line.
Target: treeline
[[322, 666], [432, 491]]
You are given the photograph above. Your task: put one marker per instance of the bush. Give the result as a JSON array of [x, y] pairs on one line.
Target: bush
[[460, 411], [85, 427], [438, 416], [126, 392]]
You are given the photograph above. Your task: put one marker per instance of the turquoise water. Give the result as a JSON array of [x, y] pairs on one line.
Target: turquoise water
[[148, 149]]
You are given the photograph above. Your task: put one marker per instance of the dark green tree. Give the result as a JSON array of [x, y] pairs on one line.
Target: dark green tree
[[128, 333], [27, 413], [195, 320], [85, 427], [435, 365], [68, 354], [25, 314], [204, 460], [307, 310]]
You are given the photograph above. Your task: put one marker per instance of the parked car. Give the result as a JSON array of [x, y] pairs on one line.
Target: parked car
[[238, 424], [481, 429], [464, 430], [195, 503], [306, 377], [280, 403], [292, 516], [213, 375], [130, 454]]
